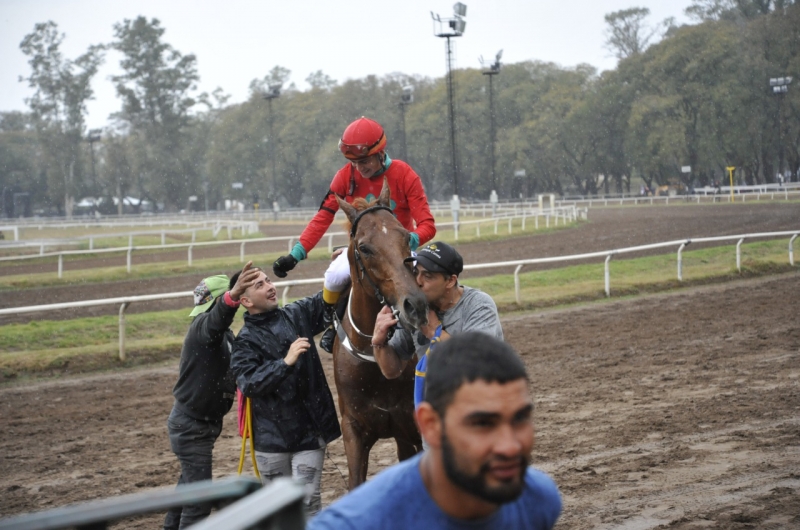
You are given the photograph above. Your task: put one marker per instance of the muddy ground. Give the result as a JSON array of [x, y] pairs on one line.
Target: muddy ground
[[677, 410]]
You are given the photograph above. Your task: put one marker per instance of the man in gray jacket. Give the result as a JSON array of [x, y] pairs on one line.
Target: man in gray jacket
[[453, 308]]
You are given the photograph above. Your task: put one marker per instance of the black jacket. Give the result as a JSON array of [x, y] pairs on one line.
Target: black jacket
[[206, 387], [292, 405]]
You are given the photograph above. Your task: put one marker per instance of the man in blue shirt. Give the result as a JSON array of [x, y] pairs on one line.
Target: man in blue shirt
[[476, 419]]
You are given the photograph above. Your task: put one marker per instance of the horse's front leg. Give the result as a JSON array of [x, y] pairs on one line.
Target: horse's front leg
[[357, 444]]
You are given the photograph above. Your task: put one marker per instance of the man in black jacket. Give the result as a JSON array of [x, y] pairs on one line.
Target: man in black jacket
[[205, 389], [276, 364]]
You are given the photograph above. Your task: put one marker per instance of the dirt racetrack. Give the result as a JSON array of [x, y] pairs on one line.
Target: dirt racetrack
[[676, 410], [607, 229]]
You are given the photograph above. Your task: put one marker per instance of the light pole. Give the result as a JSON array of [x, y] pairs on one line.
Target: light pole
[[273, 92], [780, 86], [93, 136], [406, 98], [448, 28], [492, 71]]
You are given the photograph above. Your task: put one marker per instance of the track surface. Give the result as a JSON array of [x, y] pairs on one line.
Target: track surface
[[677, 410], [607, 229]]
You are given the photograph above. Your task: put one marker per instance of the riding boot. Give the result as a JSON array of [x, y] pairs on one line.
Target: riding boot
[[326, 342]]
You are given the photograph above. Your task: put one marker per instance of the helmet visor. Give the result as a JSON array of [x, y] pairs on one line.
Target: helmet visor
[[359, 151], [354, 152]]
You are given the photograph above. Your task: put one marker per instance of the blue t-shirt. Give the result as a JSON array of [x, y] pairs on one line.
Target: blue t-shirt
[[397, 498]]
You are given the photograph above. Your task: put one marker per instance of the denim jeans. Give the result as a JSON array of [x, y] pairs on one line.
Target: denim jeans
[[192, 442], [304, 466]]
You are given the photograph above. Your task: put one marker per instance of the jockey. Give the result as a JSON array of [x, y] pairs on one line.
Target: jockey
[[363, 144]]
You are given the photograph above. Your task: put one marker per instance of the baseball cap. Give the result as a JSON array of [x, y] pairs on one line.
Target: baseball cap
[[439, 257], [207, 291]]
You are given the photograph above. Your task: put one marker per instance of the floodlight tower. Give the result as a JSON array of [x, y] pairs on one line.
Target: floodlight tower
[[492, 70], [273, 92], [780, 87], [448, 28], [406, 98]]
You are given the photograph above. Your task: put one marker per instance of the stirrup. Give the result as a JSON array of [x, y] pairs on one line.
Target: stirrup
[[326, 342]]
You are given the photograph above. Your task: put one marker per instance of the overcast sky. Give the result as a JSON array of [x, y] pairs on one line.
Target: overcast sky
[[236, 41]]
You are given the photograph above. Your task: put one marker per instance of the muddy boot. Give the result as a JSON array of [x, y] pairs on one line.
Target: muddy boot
[[326, 342]]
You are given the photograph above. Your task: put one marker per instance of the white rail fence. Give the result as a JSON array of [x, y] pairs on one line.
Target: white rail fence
[[562, 215], [124, 302]]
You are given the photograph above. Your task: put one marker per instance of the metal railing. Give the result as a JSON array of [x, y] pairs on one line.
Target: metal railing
[[276, 506], [566, 214], [681, 244], [97, 515]]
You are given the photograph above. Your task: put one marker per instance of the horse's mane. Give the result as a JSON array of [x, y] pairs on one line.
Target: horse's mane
[[359, 204]]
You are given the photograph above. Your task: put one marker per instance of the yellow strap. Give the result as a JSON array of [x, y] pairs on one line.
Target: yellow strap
[[248, 433], [419, 374]]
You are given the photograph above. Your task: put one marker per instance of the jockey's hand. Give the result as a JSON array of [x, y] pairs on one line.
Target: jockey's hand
[[383, 323], [337, 252], [283, 265]]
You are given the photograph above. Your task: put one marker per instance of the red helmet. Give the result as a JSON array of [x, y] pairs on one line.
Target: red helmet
[[362, 138]]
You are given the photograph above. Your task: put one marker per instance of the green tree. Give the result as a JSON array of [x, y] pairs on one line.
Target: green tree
[[156, 90], [58, 109]]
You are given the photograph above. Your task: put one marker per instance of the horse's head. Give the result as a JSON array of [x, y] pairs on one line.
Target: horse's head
[[378, 246]]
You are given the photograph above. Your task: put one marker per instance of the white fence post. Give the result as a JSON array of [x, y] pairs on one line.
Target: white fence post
[[241, 252], [122, 309], [791, 249], [60, 266], [680, 260], [130, 250], [517, 293], [608, 275], [739, 255], [330, 243], [190, 255]]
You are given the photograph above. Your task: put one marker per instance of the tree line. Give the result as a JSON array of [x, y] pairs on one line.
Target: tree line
[[695, 95]]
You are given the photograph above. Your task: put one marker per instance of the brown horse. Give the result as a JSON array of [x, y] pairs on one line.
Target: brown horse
[[373, 407]]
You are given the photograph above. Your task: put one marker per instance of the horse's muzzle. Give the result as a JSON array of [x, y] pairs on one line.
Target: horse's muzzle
[[414, 311]]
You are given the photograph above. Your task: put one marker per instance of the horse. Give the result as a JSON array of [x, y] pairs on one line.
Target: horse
[[373, 407]]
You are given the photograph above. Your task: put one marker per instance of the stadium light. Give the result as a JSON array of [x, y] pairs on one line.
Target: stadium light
[[492, 70], [448, 28]]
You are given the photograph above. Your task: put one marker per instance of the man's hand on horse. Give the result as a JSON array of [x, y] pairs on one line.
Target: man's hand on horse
[[383, 323], [283, 265], [246, 278], [298, 348], [337, 252]]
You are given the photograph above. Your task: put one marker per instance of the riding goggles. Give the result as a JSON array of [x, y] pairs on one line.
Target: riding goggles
[[359, 151]]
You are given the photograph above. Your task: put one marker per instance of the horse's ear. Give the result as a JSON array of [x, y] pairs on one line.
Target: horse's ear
[[386, 195], [348, 209]]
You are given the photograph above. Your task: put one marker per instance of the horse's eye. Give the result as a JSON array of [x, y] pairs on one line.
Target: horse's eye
[[364, 249]]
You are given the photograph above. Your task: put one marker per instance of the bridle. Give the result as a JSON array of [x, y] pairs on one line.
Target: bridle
[[344, 340], [362, 270]]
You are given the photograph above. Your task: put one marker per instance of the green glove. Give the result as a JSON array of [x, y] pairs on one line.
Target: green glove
[[413, 241]]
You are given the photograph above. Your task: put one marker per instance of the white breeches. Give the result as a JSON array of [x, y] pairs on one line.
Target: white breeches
[[338, 274]]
